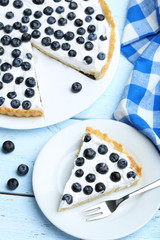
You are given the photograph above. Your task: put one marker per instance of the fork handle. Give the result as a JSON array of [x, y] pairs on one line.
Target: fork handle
[[148, 187]]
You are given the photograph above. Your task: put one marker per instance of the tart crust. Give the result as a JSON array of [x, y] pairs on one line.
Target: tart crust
[[21, 113]]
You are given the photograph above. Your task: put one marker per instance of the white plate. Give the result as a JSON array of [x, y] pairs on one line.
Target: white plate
[[53, 167], [55, 80]]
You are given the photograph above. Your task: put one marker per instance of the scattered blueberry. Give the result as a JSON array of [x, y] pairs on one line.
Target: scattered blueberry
[[29, 92], [15, 42], [5, 67], [1, 25], [99, 17], [72, 53], [71, 15], [17, 62], [12, 184], [35, 24], [17, 25], [89, 153], [79, 161], [48, 10], [100, 187], [87, 190], [122, 163], [30, 82], [115, 176], [1, 85], [91, 28], [58, 34], [16, 53], [90, 177], [87, 59], [81, 31], [1, 51], [15, 103], [102, 168], [68, 36], [38, 2], [18, 4], [26, 105], [9, 15], [4, 2], [8, 146], [27, 12], [102, 149], [88, 46], [87, 138], [101, 56], [68, 198], [22, 170], [2, 99], [88, 18], [25, 19], [55, 45], [73, 5], [51, 20], [60, 9], [38, 14], [78, 22], [92, 37], [62, 21], [89, 10], [80, 40], [103, 38], [26, 37], [8, 29], [19, 80], [6, 40], [23, 29], [79, 173], [49, 31], [29, 55], [131, 174], [46, 41], [26, 66], [36, 34], [114, 157], [7, 78], [11, 95], [76, 87], [76, 187], [66, 46]]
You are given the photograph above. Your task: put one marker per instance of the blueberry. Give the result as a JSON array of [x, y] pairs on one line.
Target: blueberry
[[102, 149], [56, 0], [2, 99], [72, 53], [12, 184], [68, 198], [46, 41], [1, 85], [80, 40], [92, 37], [4, 2], [73, 5], [38, 14], [26, 105], [49, 31], [62, 21], [78, 22], [58, 34], [19, 80], [30, 82], [79, 161], [68, 0], [5, 67], [71, 15], [36, 34], [25, 19], [89, 153], [17, 62], [23, 29], [15, 42], [87, 190], [27, 12], [18, 4], [91, 28], [11, 95], [51, 20], [122, 163], [68, 36], [131, 174], [89, 10], [101, 56], [87, 138], [100, 17], [66, 46], [88, 46], [90, 177], [26, 37], [38, 2], [79, 173], [115, 176], [35, 24], [1, 25], [29, 92], [55, 45], [17, 25], [29, 55], [22, 170], [81, 31], [8, 29], [114, 157], [76, 87], [76, 187], [60, 9], [6, 40], [102, 168], [9, 15], [100, 187], [48, 10], [7, 78], [26, 66], [15, 103], [88, 60], [103, 37], [16, 53], [88, 18], [8, 146]]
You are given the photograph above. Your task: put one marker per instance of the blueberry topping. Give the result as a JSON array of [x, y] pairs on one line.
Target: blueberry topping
[[29, 55], [55, 45], [16, 53], [80, 40], [18, 4], [1, 85], [29, 92], [115, 176], [4, 2], [71, 15], [60, 9], [78, 22], [48, 10], [35, 24], [8, 29], [72, 53], [88, 60], [100, 17], [122, 163], [11, 95], [56, 0], [62, 21], [90, 177], [25, 19], [9, 15], [81, 31], [38, 2], [100, 187], [102, 149], [38, 14], [68, 198], [103, 38], [102, 168], [68, 36], [22, 169], [87, 138], [26, 105], [76, 87], [89, 10], [2, 99], [23, 29], [8, 146], [88, 18], [101, 56], [5, 67], [1, 25], [114, 157], [27, 12], [46, 41], [15, 42], [51, 20], [36, 34], [7, 78], [15, 103], [76, 187], [79, 173], [131, 174], [30, 82], [79, 161], [92, 37], [26, 37], [17, 25], [91, 28], [49, 31], [88, 46], [17, 62], [6, 40], [89, 153], [87, 190], [66, 46], [19, 80], [12, 184], [73, 5], [26, 66], [58, 34]]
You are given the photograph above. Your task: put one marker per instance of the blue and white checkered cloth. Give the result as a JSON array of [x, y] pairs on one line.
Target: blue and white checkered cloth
[[140, 103]]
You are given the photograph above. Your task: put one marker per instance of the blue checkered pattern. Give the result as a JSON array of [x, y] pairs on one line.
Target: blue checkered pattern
[[140, 104]]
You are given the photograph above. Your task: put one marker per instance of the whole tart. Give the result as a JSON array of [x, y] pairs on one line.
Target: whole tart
[[79, 33], [101, 167]]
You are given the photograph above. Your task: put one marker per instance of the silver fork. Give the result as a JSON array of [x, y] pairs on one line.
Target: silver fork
[[106, 208]]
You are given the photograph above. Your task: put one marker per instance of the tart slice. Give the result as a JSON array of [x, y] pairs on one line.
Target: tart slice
[[101, 167]]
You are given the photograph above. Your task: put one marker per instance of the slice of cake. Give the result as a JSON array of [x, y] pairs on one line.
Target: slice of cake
[[101, 167]]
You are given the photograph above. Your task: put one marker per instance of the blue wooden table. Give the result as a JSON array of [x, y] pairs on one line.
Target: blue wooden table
[[20, 217]]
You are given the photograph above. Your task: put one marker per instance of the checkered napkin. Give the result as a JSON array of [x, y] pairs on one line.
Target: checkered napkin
[[140, 103]]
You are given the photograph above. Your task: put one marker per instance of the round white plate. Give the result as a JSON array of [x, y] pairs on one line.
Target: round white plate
[[53, 167], [55, 80]]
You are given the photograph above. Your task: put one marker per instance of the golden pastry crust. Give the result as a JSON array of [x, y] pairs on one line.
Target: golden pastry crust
[[21, 113]]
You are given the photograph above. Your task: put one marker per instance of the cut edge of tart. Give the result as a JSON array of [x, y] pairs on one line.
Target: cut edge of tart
[[117, 148]]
